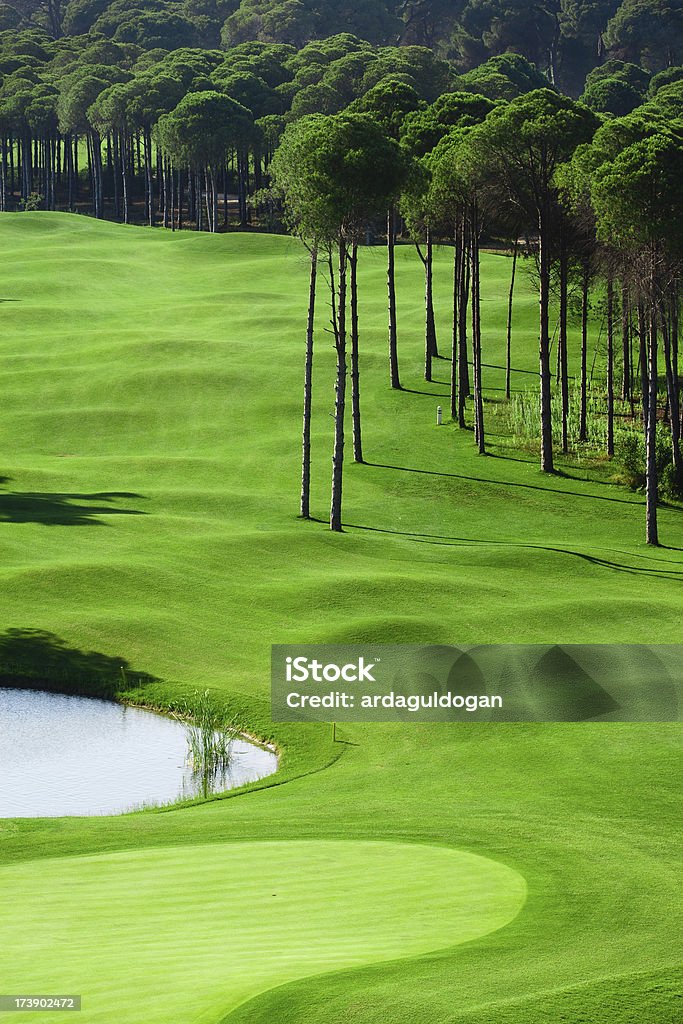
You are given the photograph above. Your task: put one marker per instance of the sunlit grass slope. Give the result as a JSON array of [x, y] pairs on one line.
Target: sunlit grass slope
[[230, 920], [150, 432]]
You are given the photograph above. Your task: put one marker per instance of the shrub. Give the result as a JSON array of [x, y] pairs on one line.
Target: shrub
[[629, 449], [631, 454], [32, 202]]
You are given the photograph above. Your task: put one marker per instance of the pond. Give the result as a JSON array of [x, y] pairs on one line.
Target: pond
[[63, 755]]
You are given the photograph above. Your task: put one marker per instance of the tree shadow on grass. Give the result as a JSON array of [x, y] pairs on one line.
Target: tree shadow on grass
[[442, 540], [36, 659], [510, 483], [63, 509], [415, 391]]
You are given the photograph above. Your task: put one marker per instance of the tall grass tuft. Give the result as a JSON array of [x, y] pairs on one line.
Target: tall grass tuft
[[522, 417], [210, 736]]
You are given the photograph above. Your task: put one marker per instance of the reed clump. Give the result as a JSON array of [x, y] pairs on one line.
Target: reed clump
[[210, 735]]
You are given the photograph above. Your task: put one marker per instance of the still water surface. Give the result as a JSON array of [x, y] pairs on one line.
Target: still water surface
[[64, 755]]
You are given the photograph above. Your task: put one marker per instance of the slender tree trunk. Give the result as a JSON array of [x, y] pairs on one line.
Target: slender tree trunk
[[149, 182], [674, 400], [625, 344], [651, 490], [562, 344], [430, 327], [643, 362], [160, 164], [27, 168], [43, 149], [3, 176], [305, 506], [428, 353], [92, 176], [454, 339], [508, 349], [115, 175], [242, 174], [164, 195], [464, 289], [431, 324], [124, 177], [355, 369], [339, 326], [54, 172], [391, 289], [69, 171], [476, 333], [171, 182], [583, 412], [544, 344], [674, 331], [674, 350], [610, 367], [207, 200], [44, 172], [99, 176]]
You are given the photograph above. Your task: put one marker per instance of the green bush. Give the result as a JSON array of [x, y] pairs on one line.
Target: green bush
[[671, 483], [631, 454], [32, 202], [629, 450]]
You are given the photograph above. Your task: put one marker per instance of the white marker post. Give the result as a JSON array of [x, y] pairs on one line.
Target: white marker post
[[438, 416]]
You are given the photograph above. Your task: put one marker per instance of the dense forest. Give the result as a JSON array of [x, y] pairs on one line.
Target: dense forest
[[99, 102], [564, 38]]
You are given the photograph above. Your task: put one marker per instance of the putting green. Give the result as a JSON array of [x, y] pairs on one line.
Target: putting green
[[187, 933]]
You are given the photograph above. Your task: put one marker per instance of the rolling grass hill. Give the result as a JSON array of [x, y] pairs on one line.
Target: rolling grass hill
[[150, 433]]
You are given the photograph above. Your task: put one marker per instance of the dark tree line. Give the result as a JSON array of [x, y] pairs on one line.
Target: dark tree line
[[564, 38], [86, 121], [94, 125]]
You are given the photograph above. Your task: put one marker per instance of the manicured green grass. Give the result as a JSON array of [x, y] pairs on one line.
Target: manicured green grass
[[232, 920], [150, 431]]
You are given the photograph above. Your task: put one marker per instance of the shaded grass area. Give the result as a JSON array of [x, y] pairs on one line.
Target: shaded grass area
[[158, 374]]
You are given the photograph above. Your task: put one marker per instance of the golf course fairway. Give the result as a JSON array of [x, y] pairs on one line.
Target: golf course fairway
[[151, 456], [211, 926]]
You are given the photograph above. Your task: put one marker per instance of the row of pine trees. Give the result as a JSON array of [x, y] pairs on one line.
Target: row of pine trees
[[597, 203]]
